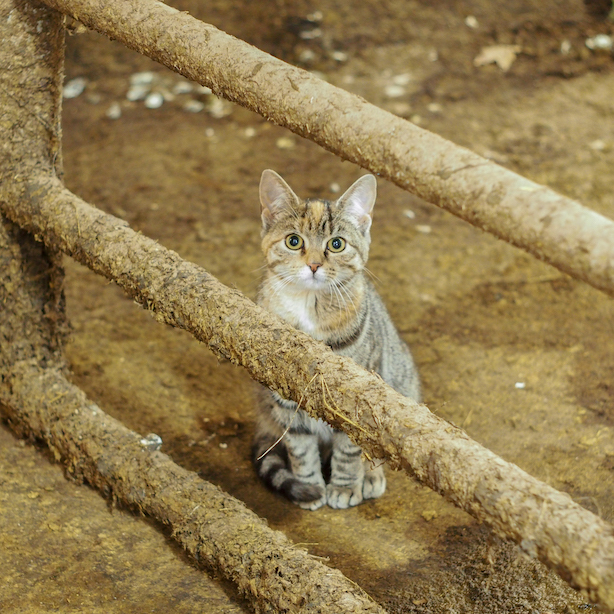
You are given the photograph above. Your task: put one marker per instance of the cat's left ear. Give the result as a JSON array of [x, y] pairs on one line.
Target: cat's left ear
[[275, 195], [358, 201]]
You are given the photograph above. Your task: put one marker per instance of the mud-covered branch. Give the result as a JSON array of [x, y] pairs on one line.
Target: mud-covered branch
[[553, 228], [545, 522]]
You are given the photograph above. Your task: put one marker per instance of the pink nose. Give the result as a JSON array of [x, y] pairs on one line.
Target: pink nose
[[314, 266]]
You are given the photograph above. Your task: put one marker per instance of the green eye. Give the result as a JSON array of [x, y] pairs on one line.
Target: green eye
[[336, 244], [294, 242]]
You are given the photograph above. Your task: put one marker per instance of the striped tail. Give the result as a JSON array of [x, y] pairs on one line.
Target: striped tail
[[273, 469]]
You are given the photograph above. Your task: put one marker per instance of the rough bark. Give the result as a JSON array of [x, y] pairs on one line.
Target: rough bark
[[553, 228], [545, 522]]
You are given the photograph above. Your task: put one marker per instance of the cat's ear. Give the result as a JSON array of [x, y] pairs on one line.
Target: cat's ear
[[275, 195], [358, 201]]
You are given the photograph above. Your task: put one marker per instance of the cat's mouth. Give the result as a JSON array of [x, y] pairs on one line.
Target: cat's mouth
[[313, 280]]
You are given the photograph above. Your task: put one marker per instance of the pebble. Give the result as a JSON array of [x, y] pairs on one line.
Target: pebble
[[410, 214], [339, 56], [519, 385], [434, 107], [74, 87], [250, 132], [335, 188], [597, 145], [223, 446], [138, 91], [471, 22], [285, 142], [194, 106], [219, 108], [114, 111], [394, 91], [402, 79], [142, 78], [152, 442], [307, 55], [182, 87], [565, 47], [423, 228], [599, 42], [154, 100]]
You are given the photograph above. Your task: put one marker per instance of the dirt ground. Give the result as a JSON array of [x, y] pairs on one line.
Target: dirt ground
[[511, 350]]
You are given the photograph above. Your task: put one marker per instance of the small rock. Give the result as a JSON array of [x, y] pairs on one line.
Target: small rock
[[394, 91], [209, 132], [152, 442], [402, 79], [339, 56], [423, 228], [597, 145], [471, 22], [306, 56], [194, 106], [335, 188], [565, 47], [520, 385], [434, 107], [410, 214], [219, 108], [310, 34], [223, 445], [250, 132], [142, 78], [154, 100], [182, 87], [433, 55], [114, 111], [138, 91], [74, 87], [501, 55], [285, 142], [600, 42]]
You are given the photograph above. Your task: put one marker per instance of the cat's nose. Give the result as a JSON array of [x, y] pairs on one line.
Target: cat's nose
[[314, 266]]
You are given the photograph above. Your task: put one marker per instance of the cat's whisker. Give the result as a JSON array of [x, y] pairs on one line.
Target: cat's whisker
[[372, 275]]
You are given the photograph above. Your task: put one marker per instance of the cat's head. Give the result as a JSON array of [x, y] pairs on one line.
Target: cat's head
[[315, 244]]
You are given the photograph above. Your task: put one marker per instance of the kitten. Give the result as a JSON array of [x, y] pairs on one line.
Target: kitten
[[316, 253]]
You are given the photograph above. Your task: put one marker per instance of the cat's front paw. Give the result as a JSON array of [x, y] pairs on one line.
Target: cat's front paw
[[342, 497], [374, 485]]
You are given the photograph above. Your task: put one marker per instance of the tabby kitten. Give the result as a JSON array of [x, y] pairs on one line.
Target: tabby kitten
[[316, 252]]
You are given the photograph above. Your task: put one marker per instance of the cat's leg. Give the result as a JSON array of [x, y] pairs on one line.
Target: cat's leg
[[304, 458], [374, 485], [347, 473]]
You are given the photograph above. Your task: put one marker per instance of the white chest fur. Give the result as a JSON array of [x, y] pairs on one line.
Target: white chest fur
[[299, 309]]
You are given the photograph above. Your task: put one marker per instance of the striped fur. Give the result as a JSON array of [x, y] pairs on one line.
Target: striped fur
[[323, 291]]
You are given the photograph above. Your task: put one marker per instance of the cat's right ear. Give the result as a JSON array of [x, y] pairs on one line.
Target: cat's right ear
[[275, 195]]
